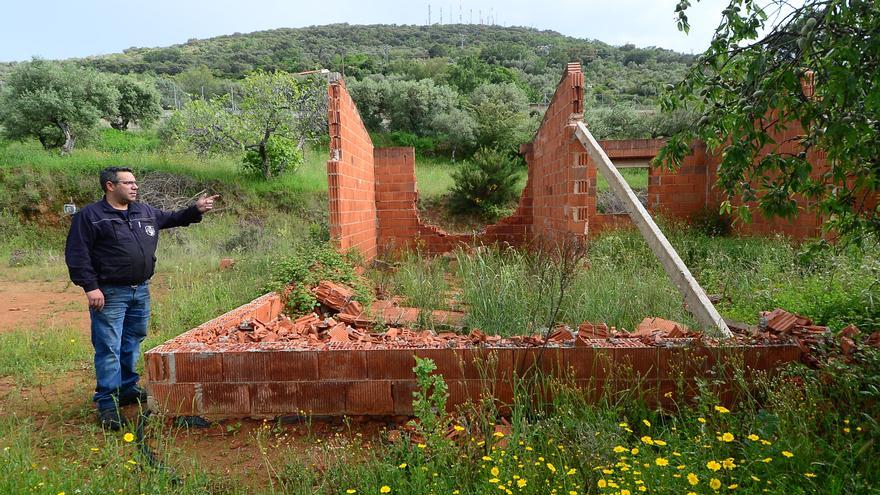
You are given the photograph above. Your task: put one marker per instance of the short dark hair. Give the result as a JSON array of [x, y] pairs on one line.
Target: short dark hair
[[109, 175]]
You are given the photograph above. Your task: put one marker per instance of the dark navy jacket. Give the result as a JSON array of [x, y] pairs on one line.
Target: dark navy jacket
[[103, 248]]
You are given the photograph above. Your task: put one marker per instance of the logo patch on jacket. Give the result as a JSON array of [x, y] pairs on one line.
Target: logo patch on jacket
[[150, 230]]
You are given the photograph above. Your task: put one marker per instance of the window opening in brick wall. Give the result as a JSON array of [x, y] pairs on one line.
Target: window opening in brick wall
[[607, 202]]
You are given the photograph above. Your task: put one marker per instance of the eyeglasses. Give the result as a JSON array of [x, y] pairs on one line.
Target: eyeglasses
[[126, 182]]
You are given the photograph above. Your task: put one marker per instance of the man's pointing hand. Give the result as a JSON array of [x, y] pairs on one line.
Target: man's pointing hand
[[206, 203]]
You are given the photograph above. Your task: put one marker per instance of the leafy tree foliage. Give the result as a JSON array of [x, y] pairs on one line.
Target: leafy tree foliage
[[815, 71], [138, 103], [485, 184], [54, 102], [501, 115], [263, 123]]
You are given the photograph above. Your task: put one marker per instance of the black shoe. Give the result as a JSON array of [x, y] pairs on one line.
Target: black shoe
[[133, 395], [110, 418]]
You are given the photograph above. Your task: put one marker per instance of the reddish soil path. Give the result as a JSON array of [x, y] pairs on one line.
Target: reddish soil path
[[35, 305]]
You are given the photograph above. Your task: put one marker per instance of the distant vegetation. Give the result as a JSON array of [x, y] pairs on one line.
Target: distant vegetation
[[622, 83]]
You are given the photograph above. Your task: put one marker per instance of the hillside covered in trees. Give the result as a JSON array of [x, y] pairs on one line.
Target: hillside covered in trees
[[532, 58]]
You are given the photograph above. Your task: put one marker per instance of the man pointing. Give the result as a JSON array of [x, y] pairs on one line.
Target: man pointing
[[111, 254]]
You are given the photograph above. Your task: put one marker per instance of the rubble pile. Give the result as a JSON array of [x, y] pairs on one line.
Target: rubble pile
[[341, 321]]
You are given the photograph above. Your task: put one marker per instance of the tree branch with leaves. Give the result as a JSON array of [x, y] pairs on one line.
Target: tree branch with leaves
[[814, 73]]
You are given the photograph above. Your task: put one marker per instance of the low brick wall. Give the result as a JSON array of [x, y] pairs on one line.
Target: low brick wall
[[266, 380]]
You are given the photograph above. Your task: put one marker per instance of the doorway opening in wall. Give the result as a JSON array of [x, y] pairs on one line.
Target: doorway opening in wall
[[635, 172]]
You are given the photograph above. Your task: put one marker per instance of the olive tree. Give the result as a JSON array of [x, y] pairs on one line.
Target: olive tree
[[138, 103], [54, 102], [263, 123]]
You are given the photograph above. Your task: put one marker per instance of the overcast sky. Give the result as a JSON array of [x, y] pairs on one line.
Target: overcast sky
[[77, 28]]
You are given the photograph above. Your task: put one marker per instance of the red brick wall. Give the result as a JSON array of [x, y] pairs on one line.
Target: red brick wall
[[560, 180], [350, 176], [680, 193], [806, 223], [396, 204]]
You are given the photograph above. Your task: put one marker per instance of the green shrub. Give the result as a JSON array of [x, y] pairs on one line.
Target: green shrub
[[284, 156], [712, 222], [485, 184], [115, 141], [308, 265], [421, 144]]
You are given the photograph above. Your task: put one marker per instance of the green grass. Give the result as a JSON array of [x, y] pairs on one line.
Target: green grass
[[621, 282], [637, 178], [25, 353]]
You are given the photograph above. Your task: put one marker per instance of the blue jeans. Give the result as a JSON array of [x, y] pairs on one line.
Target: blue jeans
[[117, 332]]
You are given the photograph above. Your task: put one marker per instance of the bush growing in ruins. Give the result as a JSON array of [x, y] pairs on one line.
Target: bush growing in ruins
[[311, 263], [485, 184]]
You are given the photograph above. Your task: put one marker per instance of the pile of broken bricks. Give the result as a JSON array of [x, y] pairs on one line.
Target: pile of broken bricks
[[339, 321]]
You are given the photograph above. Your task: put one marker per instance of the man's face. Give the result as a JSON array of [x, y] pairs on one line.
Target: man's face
[[124, 190]]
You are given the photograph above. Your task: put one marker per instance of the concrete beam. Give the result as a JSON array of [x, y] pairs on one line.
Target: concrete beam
[[697, 302]]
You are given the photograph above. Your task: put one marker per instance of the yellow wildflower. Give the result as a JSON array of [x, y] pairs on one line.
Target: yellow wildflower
[[487, 458], [494, 480], [385, 489], [766, 459], [810, 475], [498, 434], [421, 446], [715, 483], [722, 409], [350, 491], [551, 467], [647, 423], [701, 419], [625, 492], [571, 471], [494, 471], [787, 453], [692, 479], [602, 483], [128, 437], [520, 483], [661, 461], [660, 443], [733, 486], [753, 437], [728, 463], [713, 465], [634, 451], [727, 436], [619, 449], [458, 428], [648, 440]]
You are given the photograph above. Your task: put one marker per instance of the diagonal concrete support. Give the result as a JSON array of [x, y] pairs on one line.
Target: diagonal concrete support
[[697, 302]]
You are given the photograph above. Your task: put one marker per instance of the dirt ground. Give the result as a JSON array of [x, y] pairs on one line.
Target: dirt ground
[[32, 305], [60, 405]]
